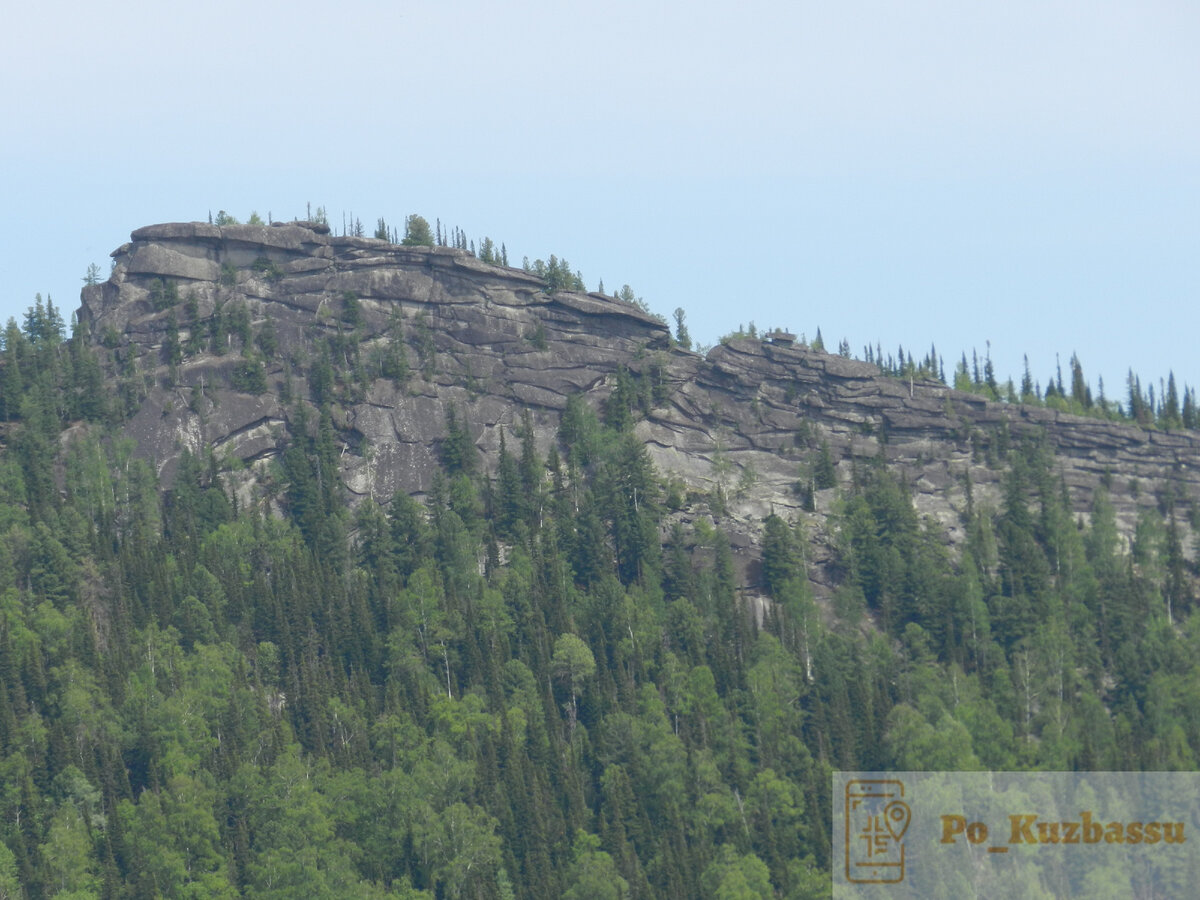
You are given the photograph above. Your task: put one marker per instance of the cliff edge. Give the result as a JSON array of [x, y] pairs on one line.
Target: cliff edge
[[218, 335]]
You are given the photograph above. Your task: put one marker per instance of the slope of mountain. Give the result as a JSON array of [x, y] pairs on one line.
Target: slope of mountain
[[647, 602], [222, 329]]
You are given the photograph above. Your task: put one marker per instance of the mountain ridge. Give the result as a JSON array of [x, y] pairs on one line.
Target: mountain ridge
[[651, 600], [740, 428]]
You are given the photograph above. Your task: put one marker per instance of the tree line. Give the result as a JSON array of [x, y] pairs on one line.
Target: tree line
[[1171, 407]]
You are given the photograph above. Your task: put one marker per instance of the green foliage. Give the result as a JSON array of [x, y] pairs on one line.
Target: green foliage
[[593, 874], [490, 253], [734, 877], [250, 375], [267, 268], [781, 555], [538, 338], [824, 471], [163, 294], [351, 310], [572, 662], [267, 340], [458, 453], [534, 684], [627, 294], [558, 275], [314, 493], [682, 337], [392, 361], [417, 232], [172, 349], [237, 322]]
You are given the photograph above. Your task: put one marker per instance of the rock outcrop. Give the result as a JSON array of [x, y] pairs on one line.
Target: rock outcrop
[[218, 331], [485, 339]]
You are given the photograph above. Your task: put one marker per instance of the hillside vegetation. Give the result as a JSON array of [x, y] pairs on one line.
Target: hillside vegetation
[[549, 679]]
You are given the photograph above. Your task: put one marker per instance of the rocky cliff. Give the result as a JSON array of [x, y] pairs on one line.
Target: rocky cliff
[[216, 333]]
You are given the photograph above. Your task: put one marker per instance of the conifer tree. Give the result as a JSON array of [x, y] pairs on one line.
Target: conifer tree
[[1028, 394], [682, 337], [780, 555], [417, 232], [1170, 409]]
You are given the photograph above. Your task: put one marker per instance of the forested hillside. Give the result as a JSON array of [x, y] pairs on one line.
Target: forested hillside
[[548, 680]]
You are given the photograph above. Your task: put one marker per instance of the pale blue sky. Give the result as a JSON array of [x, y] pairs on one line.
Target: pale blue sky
[[1025, 173]]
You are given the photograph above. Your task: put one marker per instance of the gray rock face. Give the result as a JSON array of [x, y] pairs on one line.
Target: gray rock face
[[487, 340], [745, 422]]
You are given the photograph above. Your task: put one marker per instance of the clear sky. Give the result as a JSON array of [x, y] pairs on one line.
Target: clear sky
[[1024, 173]]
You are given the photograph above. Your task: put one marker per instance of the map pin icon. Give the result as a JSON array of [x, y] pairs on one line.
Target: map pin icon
[[896, 816]]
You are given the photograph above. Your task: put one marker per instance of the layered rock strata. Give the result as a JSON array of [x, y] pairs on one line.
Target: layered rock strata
[[743, 423]]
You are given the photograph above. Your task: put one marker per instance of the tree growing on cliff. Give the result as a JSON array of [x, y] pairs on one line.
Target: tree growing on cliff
[[682, 337], [781, 557], [417, 232]]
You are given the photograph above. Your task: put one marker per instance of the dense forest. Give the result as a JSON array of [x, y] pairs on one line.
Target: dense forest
[[543, 682]]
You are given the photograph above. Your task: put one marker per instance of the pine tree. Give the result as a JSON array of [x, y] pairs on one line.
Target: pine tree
[[1170, 408], [962, 376], [1080, 392], [417, 232], [1189, 413], [989, 374], [1028, 394], [681, 332], [458, 453], [781, 562], [1137, 401]]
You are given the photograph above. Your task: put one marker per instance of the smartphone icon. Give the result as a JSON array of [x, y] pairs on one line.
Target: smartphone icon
[[876, 819]]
